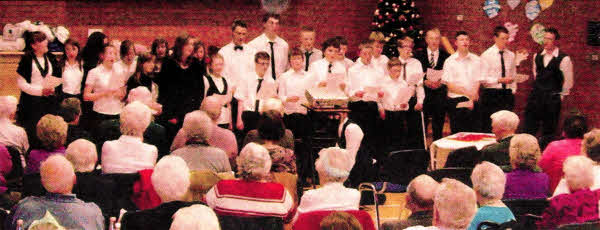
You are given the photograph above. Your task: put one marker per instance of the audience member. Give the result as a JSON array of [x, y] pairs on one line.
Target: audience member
[[581, 204], [454, 206], [11, 135], [504, 124], [70, 111], [340, 221], [525, 181], [251, 195], [171, 181], [129, 154], [590, 147], [197, 153], [58, 178], [195, 217], [557, 151], [275, 105], [52, 134], [271, 130], [489, 182], [333, 165], [419, 200]]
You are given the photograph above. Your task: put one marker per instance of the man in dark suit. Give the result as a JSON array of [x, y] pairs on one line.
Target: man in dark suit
[[435, 92]]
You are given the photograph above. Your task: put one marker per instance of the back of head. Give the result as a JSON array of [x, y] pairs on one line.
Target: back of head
[[421, 191], [52, 131], [70, 109], [334, 164], [171, 178], [195, 217], [524, 151], [271, 127], [254, 162], [8, 106], [141, 94], [135, 118], [198, 126], [579, 172], [82, 154], [271, 104], [488, 180], [575, 126], [211, 105], [340, 221], [455, 205], [590, 144], [505, 120], [57, 174]]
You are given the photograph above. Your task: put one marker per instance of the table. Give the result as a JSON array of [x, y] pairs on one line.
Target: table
[[441, 148]]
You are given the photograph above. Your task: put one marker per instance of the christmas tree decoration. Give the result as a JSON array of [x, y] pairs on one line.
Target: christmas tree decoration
[[512, 30], [545, 4], [513, 3], [537, 33], [532, 9], [396, 18], [491, 8]]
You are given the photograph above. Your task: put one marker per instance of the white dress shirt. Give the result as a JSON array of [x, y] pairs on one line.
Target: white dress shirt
[[348, 63], [396, 93], [320, 69], [225, 117], [362, 76], [280, 46], [566, 66], [315, 56], [414, 68], [331, 196], [237, 62], [35, 86], [463, 71], [246, 91], [380, 62], [13, 135], [491, 58], [295, 83], [102, 79], [354, 136], [126, 71], [72, 76], [127, 154]]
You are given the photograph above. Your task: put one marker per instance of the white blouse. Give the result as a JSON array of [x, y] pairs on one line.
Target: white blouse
[[102, 79], [72, 76]]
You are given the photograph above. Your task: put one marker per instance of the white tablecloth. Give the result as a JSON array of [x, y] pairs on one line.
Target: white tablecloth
[[441, 148]]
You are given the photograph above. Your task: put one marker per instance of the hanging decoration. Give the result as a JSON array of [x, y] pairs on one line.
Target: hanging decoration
[[545, 4], [395, 18], [532, 9], [512, 30], [537, 33], [491, 8], [513, 3]]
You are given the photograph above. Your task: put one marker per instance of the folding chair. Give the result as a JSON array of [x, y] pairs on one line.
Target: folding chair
[[460, 174]]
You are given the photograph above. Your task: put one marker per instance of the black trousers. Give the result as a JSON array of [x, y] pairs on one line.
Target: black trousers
[[544, 108], [365, 114], [463, 119], [403, 129], [434, 107], [301, 127], [494, 100]]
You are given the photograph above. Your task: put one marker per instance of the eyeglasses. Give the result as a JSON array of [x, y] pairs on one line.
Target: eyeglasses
[[262, 63]]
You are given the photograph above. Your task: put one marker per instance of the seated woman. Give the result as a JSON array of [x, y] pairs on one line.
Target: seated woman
[[129, 154], [581, 204], [524, 182], [590, 147], [52, 134], [488, 182], [271, 129], [333, 165], [251, 195]]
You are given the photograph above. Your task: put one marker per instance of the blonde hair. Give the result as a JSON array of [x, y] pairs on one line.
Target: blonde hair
[[455, 204], [406, 39], [590, 140], [488, 180], [135, 118], [52, 131], [82, 154], [376, 36], [524, 151]]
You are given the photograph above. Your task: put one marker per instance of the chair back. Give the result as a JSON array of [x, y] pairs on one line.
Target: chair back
[[289, 182], [312, 220], [460, 174], [250, 223], [203, 180], [32, 185], [17, 167], [592, 225], [404, 165], [463, 158], [123, 190], [521, 207]]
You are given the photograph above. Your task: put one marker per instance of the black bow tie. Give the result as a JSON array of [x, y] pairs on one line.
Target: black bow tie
[[238, 48]]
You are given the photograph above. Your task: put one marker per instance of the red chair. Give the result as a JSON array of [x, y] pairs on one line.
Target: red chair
[[312, 220]]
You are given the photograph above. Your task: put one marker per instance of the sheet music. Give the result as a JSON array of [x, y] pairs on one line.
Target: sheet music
[[434, 75], [396, 98], [371, 93], [334, 80]]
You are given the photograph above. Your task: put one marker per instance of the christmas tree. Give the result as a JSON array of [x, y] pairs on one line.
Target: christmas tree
[[395, 18]]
